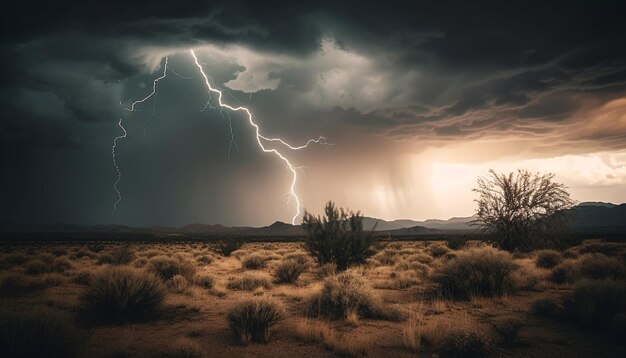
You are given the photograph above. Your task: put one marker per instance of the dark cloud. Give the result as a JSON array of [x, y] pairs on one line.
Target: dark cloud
[[442, 71]]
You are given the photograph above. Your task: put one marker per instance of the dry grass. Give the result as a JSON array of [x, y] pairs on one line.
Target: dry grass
[[253, 320], [315, 331], [39, 333], [123, 294], [249, 281], [477, 272]]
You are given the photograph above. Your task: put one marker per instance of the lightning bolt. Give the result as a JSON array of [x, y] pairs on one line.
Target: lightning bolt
[[117, 168], [260, 139]]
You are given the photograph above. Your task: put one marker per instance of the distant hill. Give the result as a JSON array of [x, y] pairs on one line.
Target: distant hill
[[586, 217]]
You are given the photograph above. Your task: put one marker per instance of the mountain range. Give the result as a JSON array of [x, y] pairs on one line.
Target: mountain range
[[586, 217]]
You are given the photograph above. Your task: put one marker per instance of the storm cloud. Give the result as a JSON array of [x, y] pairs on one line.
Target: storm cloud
[[384, 81]]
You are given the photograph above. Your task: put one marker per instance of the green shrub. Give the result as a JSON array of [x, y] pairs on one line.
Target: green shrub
[[464, 344], [253, 320], [123, 294], [476, 272], [545, 307], [548, 258], [598, 266], [594, 303], [37, 333], [566, 272], [288, 271], [337, 238], [167, 267], [350, 293]]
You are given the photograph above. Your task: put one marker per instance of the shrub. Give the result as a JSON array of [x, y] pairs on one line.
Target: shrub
[[11, 260], [594, 303], [205, 260], [508, 330], [36, 267], [37, 333], [248, 282], [456, 242], [438, 250], [349, 293], [123, 294], [167, 267], [338, 237], [255, 262], [59, 252], [288, 271], [548, 258], [598, 266], [566, 272], [228, 246], [119, 256], [17, 284], [467, 344], [606, 248], [204, 281], [253, 320], [178, 283], [476, 272], [326, 270], [61, 264], [545, 307]]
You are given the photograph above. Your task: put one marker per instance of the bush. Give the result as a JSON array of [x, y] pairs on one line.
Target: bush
[[167, 267], [37, 333], [473, 344], [566, 272], [545, 307], [83, 278], [548, 258], [606, 248], [594, 303], [36, 267], [288, 271], [350, 293], [598, 266], [17, 284], [119, 256], [253, 320], [255, 262], [178, 283], [476, 272], [123, 294], [249, 282], [338, 237], [204, 281], [456, 242], [438, 250], [205, 260], [228, 246]]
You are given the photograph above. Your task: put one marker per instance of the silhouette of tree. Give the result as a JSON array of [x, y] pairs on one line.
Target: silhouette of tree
[[524, 210]]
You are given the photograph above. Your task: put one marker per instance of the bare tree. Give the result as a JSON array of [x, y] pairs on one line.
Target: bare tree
[[522, 209]]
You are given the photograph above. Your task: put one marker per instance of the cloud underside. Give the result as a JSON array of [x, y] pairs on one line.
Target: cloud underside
[[380, 80]]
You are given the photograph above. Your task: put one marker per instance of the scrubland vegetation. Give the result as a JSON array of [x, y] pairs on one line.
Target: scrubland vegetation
[[404, 299]]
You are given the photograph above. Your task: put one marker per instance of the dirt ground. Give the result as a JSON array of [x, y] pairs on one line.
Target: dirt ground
[[198, 315]]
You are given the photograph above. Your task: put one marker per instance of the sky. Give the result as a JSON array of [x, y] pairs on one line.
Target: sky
[[416, 99]]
